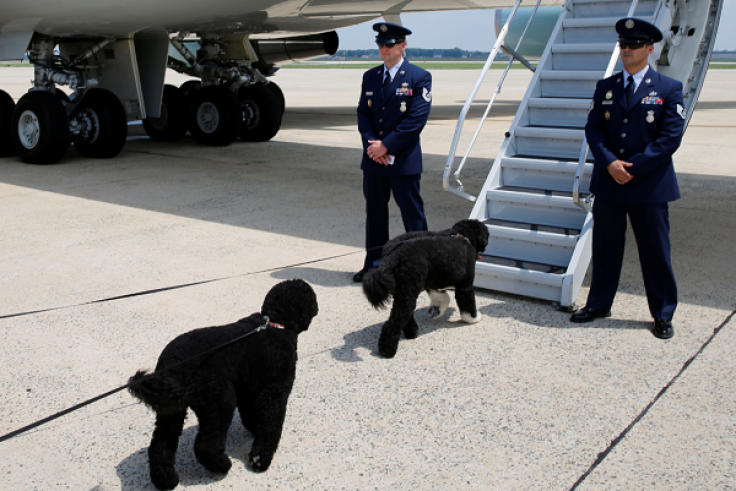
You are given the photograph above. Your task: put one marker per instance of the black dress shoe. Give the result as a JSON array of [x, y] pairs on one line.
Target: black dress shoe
[[587, 314], [663, 329], [358, 277]]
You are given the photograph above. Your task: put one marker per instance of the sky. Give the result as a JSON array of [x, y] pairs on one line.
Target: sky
[[474, 30]]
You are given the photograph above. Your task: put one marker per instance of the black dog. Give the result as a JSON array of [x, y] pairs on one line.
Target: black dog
[[431, 261], [254, 374]]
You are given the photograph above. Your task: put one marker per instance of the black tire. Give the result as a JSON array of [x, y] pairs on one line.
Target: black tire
[[103, 113], [171, 125], [7, 104], [261, 113], [189, 88], [214, 116], [279, 93], [40, 128]]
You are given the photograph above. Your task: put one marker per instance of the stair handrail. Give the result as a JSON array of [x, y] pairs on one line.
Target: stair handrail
[[587, 202], [463, 113]]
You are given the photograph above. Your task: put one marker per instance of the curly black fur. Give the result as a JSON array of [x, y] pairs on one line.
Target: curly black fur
[[432, 261], [255, 375]]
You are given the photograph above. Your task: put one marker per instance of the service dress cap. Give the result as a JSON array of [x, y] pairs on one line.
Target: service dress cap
[[390, 33], [636, 31]]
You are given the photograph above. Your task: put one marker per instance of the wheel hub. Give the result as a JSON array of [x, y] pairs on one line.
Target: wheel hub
[[251, 114], [29, 130], [208, 117]]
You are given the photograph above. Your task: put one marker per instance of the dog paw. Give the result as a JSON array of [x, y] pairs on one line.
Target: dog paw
[[466, 317], [165, 479], [219, 465], [434, 311], [411, 329], [259, 464]]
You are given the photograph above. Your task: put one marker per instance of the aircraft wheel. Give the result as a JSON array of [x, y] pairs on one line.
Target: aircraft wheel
[[171, 125], [40, 128], [262, 112], [189, 88], [276, 89], [104, 125], [214, 116], [7, 104]]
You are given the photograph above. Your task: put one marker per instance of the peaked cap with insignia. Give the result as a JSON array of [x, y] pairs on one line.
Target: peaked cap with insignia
[[390, 33], [636, 31]]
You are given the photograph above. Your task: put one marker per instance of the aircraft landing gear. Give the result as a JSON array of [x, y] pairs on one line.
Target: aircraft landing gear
[[215, 117], [7, 104], [101, 123], [40, 128], [172, 124]]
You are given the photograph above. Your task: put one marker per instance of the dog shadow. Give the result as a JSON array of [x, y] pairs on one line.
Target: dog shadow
[[133, 471], [367, 338]]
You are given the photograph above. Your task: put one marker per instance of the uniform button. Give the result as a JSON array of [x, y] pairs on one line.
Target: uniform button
[[620, 150], [623, 135], [384, 107], [380, 121], [381, 133], [626, 120]]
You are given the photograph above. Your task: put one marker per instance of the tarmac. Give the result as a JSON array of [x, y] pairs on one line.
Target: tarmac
[[104, 261]]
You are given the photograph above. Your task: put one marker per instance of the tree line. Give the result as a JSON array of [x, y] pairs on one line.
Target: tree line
[[452, 53]]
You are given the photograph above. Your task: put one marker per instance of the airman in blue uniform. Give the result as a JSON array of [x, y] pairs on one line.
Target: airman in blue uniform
[[394, 106], [634, 126]]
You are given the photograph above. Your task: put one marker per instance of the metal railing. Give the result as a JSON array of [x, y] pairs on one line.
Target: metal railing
[[471, 98]]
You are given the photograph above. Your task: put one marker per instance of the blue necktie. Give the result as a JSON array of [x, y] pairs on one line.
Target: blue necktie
[[630, 90], [386, 83]]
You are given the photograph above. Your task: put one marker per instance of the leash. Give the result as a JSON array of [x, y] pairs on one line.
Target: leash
[[76, 407], [82, 404]]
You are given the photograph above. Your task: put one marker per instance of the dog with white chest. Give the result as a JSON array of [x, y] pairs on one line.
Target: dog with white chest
[[431, 261]]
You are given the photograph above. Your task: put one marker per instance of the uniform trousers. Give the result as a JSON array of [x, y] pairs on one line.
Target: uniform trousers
[[377, 191], [651, 227]]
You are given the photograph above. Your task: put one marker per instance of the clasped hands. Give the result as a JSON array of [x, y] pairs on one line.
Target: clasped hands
[[377, 151], [618, 171]]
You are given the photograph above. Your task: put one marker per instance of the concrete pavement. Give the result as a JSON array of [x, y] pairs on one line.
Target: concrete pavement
[[521, 400]]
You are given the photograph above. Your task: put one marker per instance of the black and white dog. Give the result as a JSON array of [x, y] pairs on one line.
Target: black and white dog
[[431, 261]]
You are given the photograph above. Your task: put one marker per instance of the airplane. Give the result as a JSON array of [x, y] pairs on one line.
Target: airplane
[[112, 57]]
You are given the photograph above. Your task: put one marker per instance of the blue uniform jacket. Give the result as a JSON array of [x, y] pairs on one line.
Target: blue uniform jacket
[[398, 120], [646, 133]]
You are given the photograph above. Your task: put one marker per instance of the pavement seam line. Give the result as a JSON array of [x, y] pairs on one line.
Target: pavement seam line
[[602, 455]]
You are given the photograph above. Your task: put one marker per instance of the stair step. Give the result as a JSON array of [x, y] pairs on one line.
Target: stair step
[[583, 57], [561, 143], [543, 173], [515, 205], [569, 84], [521, 264], [589, 30], [619, 8], [558, 112], [532, 227]]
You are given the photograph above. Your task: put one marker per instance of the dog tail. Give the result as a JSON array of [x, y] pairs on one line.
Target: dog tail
[[158, 392], [378, 286]]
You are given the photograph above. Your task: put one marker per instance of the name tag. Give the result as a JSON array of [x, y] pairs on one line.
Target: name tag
[[369, 93], [652, 100], [606, 103]]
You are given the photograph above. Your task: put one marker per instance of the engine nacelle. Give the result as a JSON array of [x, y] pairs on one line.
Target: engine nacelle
[[274, 51]]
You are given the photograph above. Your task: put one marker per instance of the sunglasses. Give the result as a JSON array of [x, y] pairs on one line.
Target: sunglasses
[[386, 45], [631, 45]]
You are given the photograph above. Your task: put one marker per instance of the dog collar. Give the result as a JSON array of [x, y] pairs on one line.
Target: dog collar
[[463, 237], [271, 324]]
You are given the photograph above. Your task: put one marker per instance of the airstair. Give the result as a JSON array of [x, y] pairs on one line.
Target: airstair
[[535, 201]]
